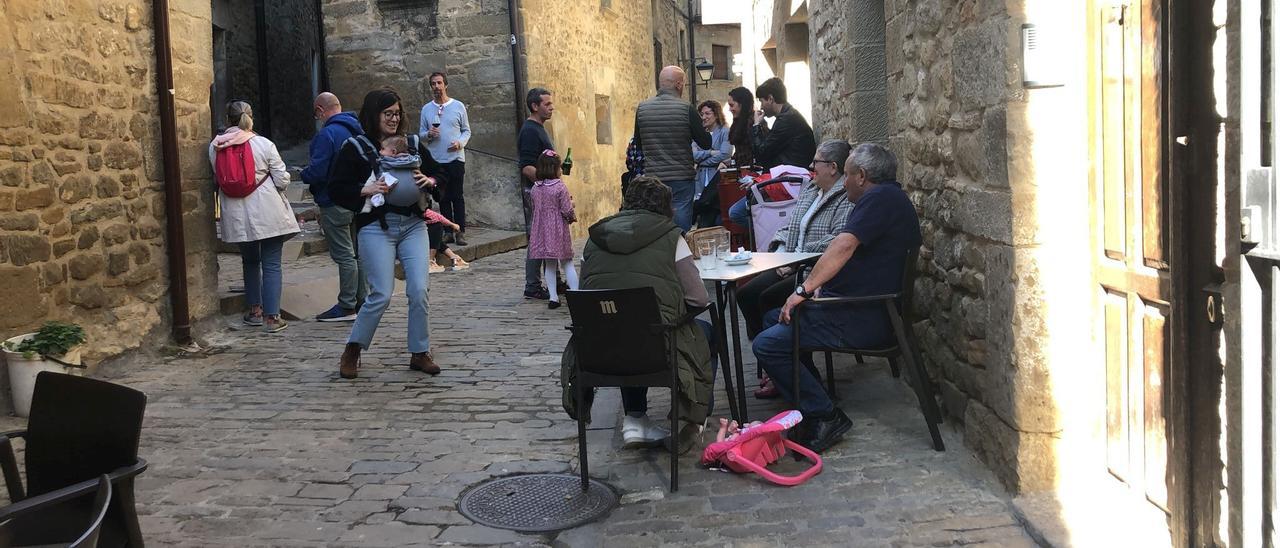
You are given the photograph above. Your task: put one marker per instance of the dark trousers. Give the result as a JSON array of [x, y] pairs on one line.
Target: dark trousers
[[452, 205], [532, 267], [635, 399], [764, 292], [435, 234]]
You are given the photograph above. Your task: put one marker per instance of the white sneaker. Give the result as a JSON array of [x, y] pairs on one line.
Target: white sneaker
[[642, 432]]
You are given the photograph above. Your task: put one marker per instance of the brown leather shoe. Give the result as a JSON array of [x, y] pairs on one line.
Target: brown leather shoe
[[421, 361], [350, 361]]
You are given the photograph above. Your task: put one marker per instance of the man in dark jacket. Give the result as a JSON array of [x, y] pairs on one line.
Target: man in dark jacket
[[336, 221], [665, 125], [790, 141]]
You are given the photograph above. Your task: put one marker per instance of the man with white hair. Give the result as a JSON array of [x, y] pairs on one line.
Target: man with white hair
[[866, 258], [665, 125]]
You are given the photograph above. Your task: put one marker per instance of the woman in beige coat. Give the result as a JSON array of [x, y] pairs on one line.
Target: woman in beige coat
[[260, 222]]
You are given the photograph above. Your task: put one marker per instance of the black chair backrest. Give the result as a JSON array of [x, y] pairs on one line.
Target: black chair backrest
[[613, 331], [90, 537], [905, 306], [79, 429]]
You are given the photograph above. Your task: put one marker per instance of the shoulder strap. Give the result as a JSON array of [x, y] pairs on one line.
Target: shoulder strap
[[364, 147], [413, 143]]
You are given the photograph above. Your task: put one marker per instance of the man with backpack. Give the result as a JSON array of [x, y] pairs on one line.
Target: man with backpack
[[336, 221]]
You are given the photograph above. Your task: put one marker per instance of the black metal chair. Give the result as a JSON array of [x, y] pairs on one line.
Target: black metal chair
[[620, 340], [79, 430], [898, 307], [31, 507]]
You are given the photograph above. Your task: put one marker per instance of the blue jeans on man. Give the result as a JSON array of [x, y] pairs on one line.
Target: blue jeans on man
[[860, 328], [682, 202], [406, 239], [740, 213]]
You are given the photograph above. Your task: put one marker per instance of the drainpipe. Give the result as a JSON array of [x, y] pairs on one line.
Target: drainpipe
[[263, 108], [513, 6], [174, 233], [693, 67]]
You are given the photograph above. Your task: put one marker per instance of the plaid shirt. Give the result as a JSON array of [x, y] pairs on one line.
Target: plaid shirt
[[635, 158], [827, 222]]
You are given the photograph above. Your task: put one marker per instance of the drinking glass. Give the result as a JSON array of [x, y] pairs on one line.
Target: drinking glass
[[722, 249], [706, 248]]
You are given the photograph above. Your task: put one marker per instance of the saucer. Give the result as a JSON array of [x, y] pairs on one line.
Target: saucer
[[737, 262]]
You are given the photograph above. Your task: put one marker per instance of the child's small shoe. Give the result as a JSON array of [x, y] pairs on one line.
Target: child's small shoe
[[434, 267], [459, 264], [553, 305]]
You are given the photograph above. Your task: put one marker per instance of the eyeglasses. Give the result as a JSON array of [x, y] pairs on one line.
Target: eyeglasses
[[392, 114], [816, 162]]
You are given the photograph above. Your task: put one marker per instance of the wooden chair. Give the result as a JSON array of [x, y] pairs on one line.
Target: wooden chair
[[621, 340], [898, 307], [80, 429]]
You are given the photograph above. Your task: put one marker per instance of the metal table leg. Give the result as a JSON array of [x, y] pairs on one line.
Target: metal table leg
[[731, 295], [722, 350]]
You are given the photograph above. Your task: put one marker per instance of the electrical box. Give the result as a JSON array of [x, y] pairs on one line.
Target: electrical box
[[1042, 64], [1258, 212]]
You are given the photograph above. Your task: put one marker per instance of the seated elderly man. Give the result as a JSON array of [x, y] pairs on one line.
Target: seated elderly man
[[867, 258], [641, 246]]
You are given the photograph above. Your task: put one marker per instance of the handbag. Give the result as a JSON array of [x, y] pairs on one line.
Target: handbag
[[756, 447]]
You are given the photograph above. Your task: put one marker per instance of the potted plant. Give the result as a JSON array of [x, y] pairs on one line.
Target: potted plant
[[55, 347]]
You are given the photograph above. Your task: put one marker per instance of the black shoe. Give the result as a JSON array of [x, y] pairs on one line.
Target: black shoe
[[538, 294], [457, 239], [561, 287], [447, 238], [553, 304], [825, 432]]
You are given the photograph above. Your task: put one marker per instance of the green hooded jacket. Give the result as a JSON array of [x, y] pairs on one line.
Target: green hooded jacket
[[637, 248]]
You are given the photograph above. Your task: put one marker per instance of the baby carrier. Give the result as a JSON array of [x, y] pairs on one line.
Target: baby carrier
[[402, 170], [756, 447]]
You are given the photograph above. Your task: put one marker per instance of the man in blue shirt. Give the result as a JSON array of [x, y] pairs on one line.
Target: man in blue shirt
[[444, 127], [335, 220], [867, 258]]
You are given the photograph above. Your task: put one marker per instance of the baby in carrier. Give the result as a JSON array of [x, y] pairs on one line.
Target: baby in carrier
[[395, 165]]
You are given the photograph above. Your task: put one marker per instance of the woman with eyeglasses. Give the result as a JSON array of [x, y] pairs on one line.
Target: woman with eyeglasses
[[820, 214], [394, 230]]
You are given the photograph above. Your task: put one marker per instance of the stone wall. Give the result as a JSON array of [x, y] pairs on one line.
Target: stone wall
[[595, 57], [999, 202], [374, 43], [81, 196], [855, 105], [719, 35]]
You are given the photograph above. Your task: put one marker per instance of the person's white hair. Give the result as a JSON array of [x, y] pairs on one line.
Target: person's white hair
[[879, 162]]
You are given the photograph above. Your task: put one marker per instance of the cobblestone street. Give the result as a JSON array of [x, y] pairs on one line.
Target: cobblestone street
[[260, 443]]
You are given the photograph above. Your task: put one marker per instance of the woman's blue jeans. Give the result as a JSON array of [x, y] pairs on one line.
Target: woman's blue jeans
[[260, 260], [406, 239]]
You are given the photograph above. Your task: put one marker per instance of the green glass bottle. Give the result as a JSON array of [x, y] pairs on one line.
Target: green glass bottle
[[567, 165]]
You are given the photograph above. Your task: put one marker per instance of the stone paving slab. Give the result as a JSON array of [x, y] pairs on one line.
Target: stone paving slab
[[259, 443]]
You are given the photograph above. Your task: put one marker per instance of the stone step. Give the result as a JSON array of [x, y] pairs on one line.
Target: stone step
[[311, 283]]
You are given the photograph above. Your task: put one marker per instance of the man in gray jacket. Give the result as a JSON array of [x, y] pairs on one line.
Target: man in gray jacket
[[665, 125]]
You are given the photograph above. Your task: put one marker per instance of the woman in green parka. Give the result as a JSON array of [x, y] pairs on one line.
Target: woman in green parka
[[641, 246]]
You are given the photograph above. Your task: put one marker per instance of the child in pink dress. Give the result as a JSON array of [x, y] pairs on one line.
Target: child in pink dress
[[435, 235], [549, 238]]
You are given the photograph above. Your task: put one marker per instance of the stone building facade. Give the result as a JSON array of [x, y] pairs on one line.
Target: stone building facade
[[1000, 200], [82, 216], [376, 43]]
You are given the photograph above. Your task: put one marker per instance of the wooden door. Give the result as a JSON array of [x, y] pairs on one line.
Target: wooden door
[[1131, 249]]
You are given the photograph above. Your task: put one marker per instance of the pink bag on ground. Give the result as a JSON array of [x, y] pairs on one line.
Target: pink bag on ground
[[758, 446]]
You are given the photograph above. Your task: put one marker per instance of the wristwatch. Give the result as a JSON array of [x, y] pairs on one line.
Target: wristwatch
[[801, 292]]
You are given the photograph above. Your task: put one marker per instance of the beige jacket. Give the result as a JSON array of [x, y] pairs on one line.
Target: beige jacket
[[266, 213]]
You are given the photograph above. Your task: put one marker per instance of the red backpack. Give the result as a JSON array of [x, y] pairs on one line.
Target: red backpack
[[234, 171]]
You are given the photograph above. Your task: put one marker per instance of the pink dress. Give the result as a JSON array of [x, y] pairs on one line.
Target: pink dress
[[549, 231]]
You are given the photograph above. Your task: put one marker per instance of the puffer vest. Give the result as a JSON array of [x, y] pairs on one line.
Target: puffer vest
[[662, 122]]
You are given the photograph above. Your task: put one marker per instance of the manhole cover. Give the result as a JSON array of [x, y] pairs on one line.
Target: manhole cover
[[536, 503]]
